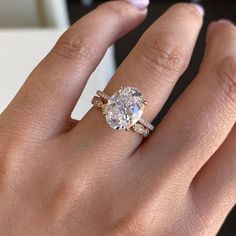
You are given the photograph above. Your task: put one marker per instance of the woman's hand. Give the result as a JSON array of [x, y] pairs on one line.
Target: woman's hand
[[61, 177]]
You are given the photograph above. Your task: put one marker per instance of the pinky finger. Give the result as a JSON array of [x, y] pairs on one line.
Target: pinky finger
[[214, 187]]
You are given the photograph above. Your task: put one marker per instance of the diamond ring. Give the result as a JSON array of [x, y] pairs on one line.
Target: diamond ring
[[124, 110]]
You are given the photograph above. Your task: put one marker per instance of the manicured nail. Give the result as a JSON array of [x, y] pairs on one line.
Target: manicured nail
[[200, 8], [225, 21], [140, 4]]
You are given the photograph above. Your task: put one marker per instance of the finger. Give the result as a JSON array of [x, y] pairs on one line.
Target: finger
[[71, 124], [213, 189], [154, 66], [45, 102], [202, 118]]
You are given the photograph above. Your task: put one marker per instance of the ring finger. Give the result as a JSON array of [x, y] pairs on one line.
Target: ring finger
[[153, 67]]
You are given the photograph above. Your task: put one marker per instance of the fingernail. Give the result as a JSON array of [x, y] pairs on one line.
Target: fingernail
[[140, 4], [225, 21], [199, 8]]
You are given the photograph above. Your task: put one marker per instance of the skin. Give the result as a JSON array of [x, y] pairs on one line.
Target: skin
[[63, 177]]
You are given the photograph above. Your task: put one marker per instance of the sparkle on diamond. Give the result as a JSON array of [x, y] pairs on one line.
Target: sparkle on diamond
[[124, 108]]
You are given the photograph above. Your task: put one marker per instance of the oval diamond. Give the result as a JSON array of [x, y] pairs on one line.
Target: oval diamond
[[124, 108]]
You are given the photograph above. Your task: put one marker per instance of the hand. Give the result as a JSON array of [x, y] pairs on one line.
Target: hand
[[63, 177]]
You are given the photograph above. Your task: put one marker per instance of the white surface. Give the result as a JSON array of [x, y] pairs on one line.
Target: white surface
[[33, 13], [22, 50]]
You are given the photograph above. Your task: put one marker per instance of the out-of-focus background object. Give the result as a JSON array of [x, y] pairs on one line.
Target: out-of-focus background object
[[28, 30], [42, 21], [33, 13]]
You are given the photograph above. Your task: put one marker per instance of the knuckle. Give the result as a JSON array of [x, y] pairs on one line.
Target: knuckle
[[226, 78], [75, 49], [185, 8], [164, 56]]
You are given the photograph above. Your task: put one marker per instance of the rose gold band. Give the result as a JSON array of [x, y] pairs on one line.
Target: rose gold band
[[142, 127]]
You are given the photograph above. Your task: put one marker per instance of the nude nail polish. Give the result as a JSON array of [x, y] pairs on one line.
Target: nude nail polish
[[199, 8], [227, 21], [140, 4]]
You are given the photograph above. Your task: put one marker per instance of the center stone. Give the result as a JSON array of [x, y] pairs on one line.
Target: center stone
[[124, 108]]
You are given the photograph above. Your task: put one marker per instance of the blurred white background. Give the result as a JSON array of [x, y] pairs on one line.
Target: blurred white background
[[28, 30], [33, 13]]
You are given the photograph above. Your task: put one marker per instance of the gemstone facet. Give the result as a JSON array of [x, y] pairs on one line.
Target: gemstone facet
[[124, 108]]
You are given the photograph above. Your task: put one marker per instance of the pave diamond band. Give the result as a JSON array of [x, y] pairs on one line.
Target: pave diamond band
[[124, 109]]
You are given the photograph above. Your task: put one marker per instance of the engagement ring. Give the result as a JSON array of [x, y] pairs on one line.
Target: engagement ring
[[124, 109]]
